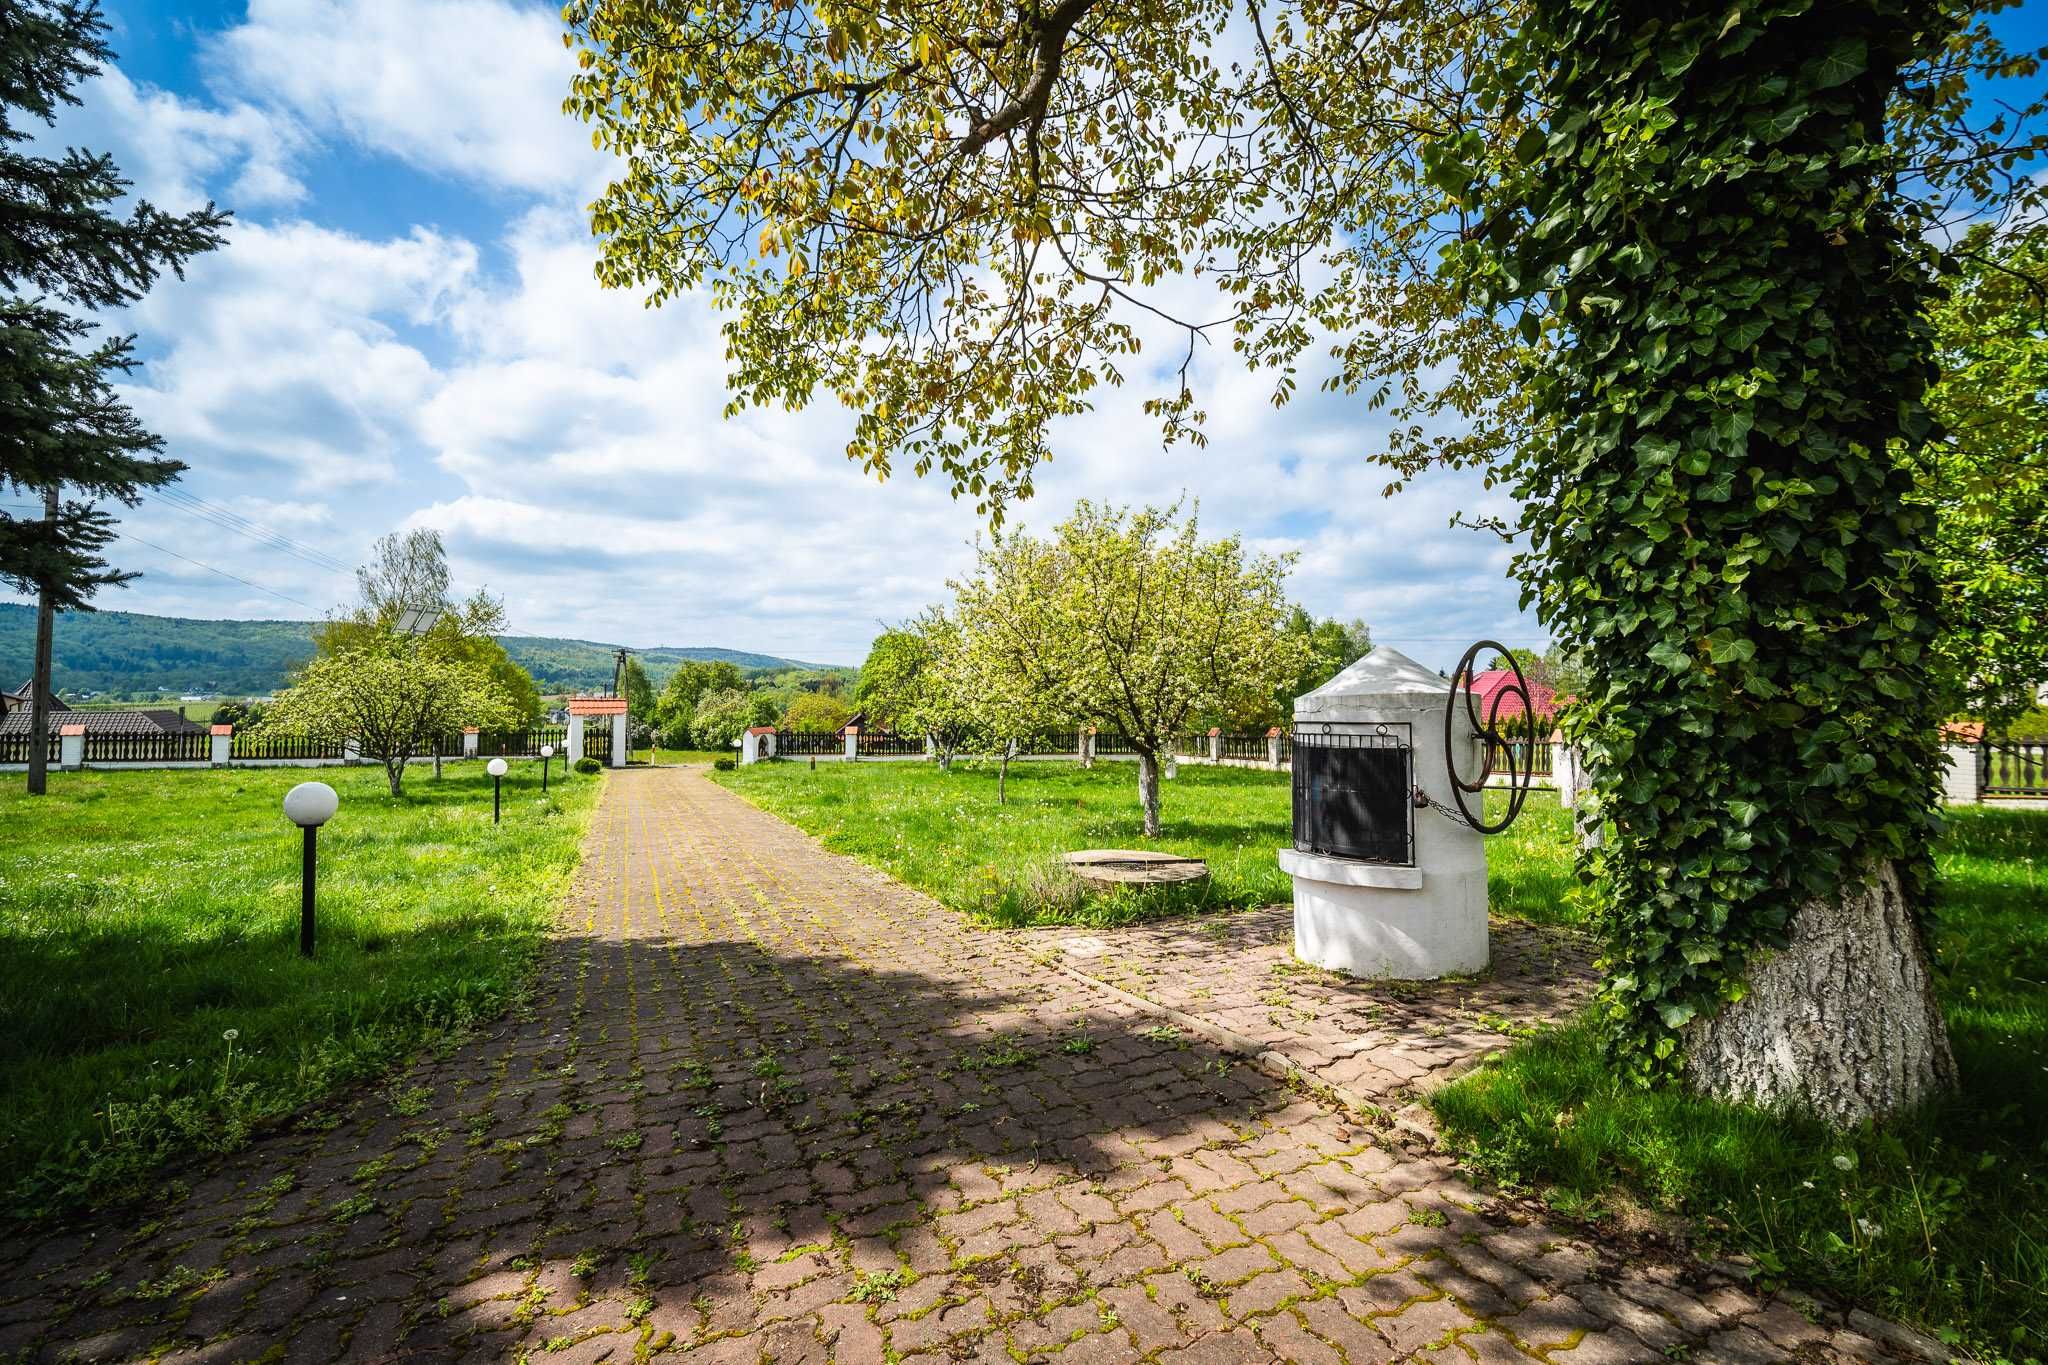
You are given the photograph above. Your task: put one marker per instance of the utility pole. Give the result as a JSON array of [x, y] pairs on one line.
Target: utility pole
[[39, 681]]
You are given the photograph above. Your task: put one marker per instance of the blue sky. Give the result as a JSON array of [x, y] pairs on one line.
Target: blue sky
[[403, 330]]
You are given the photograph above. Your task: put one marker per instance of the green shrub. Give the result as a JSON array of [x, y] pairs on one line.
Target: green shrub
[[589, 765], [724, 763]]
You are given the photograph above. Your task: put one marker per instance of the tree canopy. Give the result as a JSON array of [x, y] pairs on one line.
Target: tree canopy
[[395, 699], [1986, 474], [65, 253], [1131, 621]]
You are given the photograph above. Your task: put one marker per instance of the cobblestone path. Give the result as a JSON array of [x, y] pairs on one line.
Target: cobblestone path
[[1377, 1044], [768, 1103]]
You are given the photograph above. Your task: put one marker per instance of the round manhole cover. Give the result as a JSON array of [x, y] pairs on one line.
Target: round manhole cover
[[1135, 867]]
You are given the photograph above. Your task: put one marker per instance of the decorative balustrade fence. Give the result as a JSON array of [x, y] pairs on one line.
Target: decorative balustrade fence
[[194, 746], [256, 746], [2012, 768], [15, 748], [597, 742], [1528, 757]]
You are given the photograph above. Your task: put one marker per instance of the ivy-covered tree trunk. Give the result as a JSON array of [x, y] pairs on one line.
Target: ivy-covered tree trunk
[[1717, 503], [1148, 791]]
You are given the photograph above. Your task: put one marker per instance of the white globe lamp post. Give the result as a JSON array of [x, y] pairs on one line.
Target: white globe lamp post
[[496, 768], [547, 756], [309, 806]]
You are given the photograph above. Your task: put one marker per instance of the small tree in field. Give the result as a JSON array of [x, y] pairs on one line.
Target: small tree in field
[[1132, 621], [906, 683], [814, 713], [394, 700], [992, 678]]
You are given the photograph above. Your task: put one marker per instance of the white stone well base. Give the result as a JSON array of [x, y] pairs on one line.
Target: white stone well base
[[1380, 920]]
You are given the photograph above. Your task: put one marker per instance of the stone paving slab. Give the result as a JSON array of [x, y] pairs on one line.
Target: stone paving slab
[[1379, 1044], [769, 1104]]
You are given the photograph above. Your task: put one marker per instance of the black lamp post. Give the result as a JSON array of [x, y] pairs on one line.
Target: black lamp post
[[496, 768], [309, 806], [547, 758]]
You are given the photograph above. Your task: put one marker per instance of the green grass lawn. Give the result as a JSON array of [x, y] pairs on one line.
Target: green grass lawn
[[147, 916], [1941, 1220], [944, 833]]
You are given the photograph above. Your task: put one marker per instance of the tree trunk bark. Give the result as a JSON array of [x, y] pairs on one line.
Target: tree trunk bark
[[1148, 792], [395, 774], [1842, 1023], [39, 690]]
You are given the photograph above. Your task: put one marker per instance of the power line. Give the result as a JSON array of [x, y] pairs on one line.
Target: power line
[[266, 536], [126, 535]]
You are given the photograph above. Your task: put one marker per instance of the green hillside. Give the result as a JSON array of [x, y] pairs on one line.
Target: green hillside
[[129, 653]]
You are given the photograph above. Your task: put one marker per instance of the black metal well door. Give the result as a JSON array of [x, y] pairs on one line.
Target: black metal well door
[[1353, 802]]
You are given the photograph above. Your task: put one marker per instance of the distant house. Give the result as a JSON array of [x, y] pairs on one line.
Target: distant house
[[141, 722], [1500, 682]]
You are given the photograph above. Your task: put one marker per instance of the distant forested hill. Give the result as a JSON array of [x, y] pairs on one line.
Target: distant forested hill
[[127, 652]]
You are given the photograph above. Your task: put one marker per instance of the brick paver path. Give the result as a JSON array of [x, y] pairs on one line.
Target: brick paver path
[[770, 1104], [1377, 1044]]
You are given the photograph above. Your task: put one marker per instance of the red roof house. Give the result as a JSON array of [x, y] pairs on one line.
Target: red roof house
[[1500, 682]]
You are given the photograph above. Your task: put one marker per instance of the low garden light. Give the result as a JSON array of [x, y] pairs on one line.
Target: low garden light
[[496, 768], [309, 806], [547, 756]]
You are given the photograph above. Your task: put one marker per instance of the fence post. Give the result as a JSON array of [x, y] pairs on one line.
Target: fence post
[[852, 743], [1564, 771], [222, 745], [1215, 744], [70, 747], [1273, 745], [470, 741], [1962, 778], [573, 745]]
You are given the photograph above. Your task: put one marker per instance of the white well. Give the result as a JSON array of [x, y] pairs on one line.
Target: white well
[[1409, 922]]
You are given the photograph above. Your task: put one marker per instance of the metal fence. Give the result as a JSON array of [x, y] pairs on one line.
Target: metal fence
[[1112, 744], [597, 742], [521, 743], [1247, 746], [2012, 768], [886, 746], [797, 743], [191, 746]]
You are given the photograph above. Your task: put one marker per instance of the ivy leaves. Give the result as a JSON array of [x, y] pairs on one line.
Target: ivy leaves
[[1716, 487]]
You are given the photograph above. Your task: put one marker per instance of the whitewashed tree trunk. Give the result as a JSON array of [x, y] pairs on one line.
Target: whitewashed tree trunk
[[1842, 1023], [1148, 792]]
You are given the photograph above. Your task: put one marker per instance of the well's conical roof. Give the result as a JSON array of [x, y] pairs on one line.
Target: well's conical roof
[[1382, 673]]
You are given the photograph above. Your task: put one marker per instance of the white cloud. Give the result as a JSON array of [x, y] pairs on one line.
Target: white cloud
[[468, 88], [284, 357], [173, 150]]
